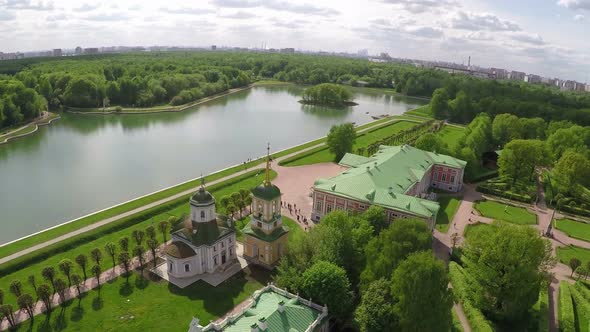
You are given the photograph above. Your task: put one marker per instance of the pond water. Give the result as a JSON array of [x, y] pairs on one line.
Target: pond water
[[84, 163]]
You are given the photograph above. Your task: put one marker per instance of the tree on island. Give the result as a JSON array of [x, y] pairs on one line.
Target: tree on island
[[341, 139], [327, 94]]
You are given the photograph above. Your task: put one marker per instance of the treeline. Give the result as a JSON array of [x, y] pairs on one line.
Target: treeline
[[463, 98], [18, 103]]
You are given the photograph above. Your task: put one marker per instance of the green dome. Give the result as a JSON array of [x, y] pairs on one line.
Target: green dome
[[266, 192], [202, 196]]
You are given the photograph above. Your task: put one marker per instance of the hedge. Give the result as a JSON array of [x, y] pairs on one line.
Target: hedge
[[582, 306], [575, 210], [566, 308], [477, 320], [583, 289], [71, 243], [484, 176], [542, 307], [506, 194]]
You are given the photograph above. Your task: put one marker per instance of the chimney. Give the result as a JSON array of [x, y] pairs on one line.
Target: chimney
[[281, 306], [262, 324]]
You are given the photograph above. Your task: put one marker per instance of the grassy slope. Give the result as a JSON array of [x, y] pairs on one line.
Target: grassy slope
[[24, 130], [448, 208], [145, 305], [324, 155], [35, 269], [575, 229], [499, 211], [421, 111], [451, 135]]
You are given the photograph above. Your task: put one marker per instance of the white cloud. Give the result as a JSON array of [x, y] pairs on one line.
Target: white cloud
[[29, 5], [240, 15], [479, 35], [108, 17], [475, 22], [278, 5], [86, 8], [529, 38], [575, 4], [188, 10], [579, 17], [7, 16], [421, 6]]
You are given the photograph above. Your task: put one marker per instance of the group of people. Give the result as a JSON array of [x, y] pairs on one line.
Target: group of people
[[293, 208]]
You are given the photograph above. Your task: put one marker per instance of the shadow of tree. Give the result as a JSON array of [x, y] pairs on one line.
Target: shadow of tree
[[141, 282], [97, 303], [77, 313]]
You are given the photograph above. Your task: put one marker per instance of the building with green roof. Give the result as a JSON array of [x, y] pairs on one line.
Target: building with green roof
[[203, 243], [397, 178], [265, 236], [271, 309]]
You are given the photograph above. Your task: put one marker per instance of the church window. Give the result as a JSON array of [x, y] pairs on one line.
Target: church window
[[222, 245], [259, 224], [275, 224], [274, 209], [202, 215], [214, 248], [215, 260], [170, 267], [187, 268], [229, 240]]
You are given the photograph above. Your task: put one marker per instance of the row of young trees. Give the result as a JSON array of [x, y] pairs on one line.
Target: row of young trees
[[386, 271], [236, 202], [54, 284]]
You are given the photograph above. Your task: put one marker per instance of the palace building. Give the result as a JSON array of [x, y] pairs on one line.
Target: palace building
[[265, 237], [204, 244], [397, 178]]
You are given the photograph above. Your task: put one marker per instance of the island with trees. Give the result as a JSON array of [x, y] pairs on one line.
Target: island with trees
[[327, 94]]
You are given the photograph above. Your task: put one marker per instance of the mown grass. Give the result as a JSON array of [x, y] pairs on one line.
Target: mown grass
[[55, 256], [451, 135], [145, 305], [509, 213], [576, 229], [23, 131], [446, 213], [423, 111], [323, 154], [565, 254]]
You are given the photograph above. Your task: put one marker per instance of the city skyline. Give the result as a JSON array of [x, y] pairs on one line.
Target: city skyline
[[542, 37]]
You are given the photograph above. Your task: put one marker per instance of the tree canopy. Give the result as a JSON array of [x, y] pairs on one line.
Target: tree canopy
[[327, 94], [341, 139]]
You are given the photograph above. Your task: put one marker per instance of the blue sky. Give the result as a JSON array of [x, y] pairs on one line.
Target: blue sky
[[548, 37]]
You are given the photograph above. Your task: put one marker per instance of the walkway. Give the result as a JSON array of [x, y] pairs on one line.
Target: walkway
[[171, 198]]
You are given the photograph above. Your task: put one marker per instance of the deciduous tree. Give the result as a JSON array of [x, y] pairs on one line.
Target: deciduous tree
[[375, 312], [326, 283], [82, 262], [341, 139]]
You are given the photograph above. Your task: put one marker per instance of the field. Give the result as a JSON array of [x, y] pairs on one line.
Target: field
[[322, 155], [564, 254], [573, 228], [22, 272], [448, 208], [509, 213], [144, 305]]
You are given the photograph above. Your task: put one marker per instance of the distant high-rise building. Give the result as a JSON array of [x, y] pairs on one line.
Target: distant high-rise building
[[532, 78], [213, 47], [78, 50], [363, 53], [499, 74], [288, 50], [516, 76], [587, 87], [91, 50], [57, 52]]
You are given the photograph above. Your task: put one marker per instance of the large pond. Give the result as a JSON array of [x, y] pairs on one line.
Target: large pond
[[84, 163]]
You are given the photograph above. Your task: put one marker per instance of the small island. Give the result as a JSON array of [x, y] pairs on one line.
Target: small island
[[327, 94]]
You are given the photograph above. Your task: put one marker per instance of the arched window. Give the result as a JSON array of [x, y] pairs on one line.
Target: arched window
[[187, 268], [202, 215], [170, 267]]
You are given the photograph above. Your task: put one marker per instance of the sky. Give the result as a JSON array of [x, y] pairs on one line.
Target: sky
[[546, 37]]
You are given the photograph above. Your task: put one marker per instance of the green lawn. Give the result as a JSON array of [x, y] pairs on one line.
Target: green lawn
[[451, 135], [423, 111], [322, 154], [448, 208], [24, 130], [573, 228], [247, 182], [144, 305], [469, 229], [509, 213], [564, 254]]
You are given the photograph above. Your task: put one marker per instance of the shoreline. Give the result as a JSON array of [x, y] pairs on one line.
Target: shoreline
[[37, 125], [171, 109]]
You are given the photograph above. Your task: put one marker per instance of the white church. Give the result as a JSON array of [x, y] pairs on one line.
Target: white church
[[204, 244]]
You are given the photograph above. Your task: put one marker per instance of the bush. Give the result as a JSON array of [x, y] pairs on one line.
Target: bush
[[485, 189], [176, 100], [118, 109], [460, 282], [566, 308]]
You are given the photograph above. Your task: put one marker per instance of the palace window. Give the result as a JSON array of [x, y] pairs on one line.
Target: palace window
[[259, 224], [222, 245], [453, 179], [215, 260], [444, 177], [187, 268], [170, 267], [214, 248], [318, 206], [328, 208], [229, 240], [274, 224]]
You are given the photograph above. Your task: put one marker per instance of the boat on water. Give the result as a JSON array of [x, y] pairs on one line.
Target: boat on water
[[382, 116]]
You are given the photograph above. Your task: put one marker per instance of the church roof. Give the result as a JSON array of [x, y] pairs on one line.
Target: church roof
[[202, 196], [179, 249], [266, 191], [204, 233], [259, 234]]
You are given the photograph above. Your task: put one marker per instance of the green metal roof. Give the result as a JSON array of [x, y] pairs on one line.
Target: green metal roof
[[259, 234], [266, 192], [203, 197], [206, 232], [295, 316], [179, 250], [384, 178]]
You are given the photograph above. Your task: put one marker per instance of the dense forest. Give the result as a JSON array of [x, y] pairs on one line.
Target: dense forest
[[150, 79]]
